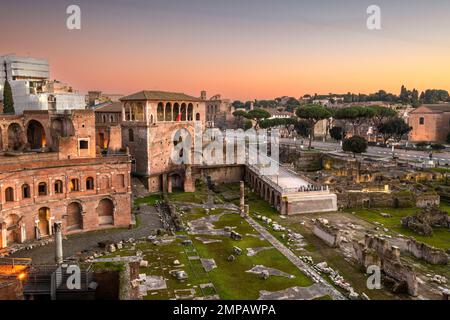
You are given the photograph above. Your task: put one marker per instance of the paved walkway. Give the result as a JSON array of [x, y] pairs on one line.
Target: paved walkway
[[149, 221], [302, 266]]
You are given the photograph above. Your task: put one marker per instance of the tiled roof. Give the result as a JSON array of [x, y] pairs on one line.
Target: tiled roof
[[109, 107], [445, 107], [160, 96]]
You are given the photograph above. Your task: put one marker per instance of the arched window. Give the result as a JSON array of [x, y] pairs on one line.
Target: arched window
[[151, 118], [42, 189], [138, 112], [9, 194], [74, 185], [58, 186], [130, 135], [160, 112], [183, 112], [103, 118], [190, 115], [26, 191], [133, 112], [197, 117], [176, 112], [168, 112], [90, 183], [127, 112]]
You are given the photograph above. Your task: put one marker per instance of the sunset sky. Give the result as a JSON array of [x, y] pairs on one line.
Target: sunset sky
[[243, 49]]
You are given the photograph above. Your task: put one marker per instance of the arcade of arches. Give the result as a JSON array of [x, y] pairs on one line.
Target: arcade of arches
[[165, 112], [13, 229]]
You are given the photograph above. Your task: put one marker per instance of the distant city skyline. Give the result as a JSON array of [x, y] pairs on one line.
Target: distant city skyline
[[241, 49]]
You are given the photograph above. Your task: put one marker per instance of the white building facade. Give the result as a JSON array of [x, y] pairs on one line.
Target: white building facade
[[31, 86]]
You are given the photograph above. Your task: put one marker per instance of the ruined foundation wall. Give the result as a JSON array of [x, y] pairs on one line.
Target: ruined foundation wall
[[377, 251], [327, 233], [223, 174], [425, 252]]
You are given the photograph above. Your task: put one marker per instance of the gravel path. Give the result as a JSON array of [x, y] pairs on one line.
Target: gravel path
[[149, 221], [305, 268]]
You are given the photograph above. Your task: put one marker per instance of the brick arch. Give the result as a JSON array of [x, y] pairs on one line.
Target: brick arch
[[160, 112], [168, 112], [43, 218], [16, 136], [62, 127], [12, 222], [36, 135], [74, 218], [105, 212], [176, 111]]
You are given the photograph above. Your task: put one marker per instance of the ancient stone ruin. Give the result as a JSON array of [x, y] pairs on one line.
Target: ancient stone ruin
[[330, 234], [377, 251], [425, 252], [424, 222]]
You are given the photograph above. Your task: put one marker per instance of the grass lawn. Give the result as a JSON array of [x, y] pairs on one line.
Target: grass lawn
[[231, 279], [151, 199], [191, 197], [440, 238]]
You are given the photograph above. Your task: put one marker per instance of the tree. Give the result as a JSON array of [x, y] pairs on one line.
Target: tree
[[313, 113], [258, 115], [355, 144], [381, 114], [238, 104], [303, 128], [356, 115], [337, 133], [404, 95], [394, 128], [434, 96], [240, 115], [247, 124], [8, 102], [287, 123]]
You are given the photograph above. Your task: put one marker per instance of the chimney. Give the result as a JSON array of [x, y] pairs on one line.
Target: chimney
[[203, 95]]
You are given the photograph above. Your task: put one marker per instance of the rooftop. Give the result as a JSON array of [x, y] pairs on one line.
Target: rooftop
[[160, 96], [443, 107], [109, 107]]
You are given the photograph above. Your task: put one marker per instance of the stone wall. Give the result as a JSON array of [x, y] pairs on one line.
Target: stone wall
[[221, 174], [302, 160], [427, 200], [331, 235], [377, 251], [402, 199], [425, 252]]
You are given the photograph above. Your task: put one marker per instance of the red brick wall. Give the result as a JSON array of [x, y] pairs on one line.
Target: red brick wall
[[435, 128]]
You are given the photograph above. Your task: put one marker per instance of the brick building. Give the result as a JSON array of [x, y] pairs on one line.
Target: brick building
[[430, 123], [149, 122], [50, 171], [219, 112], [108, 120]]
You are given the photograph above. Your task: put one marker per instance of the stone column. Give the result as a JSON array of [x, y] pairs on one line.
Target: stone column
[[189, 185], [3, 243], [23, 233], [169, 184], [58, 243], [36, 230], [242, 198]]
